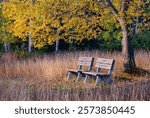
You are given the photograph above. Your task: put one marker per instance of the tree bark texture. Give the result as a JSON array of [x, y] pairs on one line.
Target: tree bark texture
[[127, 50]]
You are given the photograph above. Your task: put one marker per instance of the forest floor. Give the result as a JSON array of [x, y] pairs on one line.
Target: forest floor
[[44, 78]]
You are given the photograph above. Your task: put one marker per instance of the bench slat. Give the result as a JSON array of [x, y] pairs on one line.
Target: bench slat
[[103, 60], [85, 58], [104, 63], [95, 73], [85, 61], [103, 66], [90, 73], [73, 70]]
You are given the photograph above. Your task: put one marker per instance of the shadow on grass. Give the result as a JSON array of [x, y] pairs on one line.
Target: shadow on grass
[[142, 72], [138, 73]]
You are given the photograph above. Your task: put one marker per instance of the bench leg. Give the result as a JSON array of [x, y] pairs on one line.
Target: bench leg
[[87, 79], [98, 80], [79, 77], [69, 77]]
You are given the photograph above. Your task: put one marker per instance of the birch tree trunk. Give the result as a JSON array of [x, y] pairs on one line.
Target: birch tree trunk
[[57, 43], [57, 46], [30, 34], [6, 46], [71, 45], [29, 43], [136, 27]]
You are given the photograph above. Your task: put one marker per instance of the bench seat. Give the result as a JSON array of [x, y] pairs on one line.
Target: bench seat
[[73, 70], [95, 73]]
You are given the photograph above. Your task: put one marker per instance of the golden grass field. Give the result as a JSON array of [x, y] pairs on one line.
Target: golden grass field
[[44, 78]]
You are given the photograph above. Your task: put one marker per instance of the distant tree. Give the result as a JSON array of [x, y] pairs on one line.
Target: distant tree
[[30, 36], [26, 19], [42, 22], [18, 14], [5, 36]]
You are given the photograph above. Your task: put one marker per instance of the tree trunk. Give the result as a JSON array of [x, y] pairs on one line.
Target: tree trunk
[[30, 37], [29, 43], [6, 46], [136, 26], [57, 46], [127, 50], [71, 45]]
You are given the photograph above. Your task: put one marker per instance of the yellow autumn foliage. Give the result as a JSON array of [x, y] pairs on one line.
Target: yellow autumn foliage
[[50, 20]]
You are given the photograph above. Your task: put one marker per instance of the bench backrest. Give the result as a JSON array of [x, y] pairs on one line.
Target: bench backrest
[[102, 63], [85, 61]]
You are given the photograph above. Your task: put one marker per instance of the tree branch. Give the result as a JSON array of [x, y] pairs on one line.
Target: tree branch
[[113, 9], [124, 6]]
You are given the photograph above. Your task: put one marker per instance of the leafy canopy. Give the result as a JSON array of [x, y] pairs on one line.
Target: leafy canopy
[[50, 20]]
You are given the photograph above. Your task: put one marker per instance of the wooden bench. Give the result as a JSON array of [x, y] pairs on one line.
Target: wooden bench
[[82, 61], [101, 64]]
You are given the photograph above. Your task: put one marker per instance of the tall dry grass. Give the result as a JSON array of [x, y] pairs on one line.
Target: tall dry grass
[[44, 78]]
